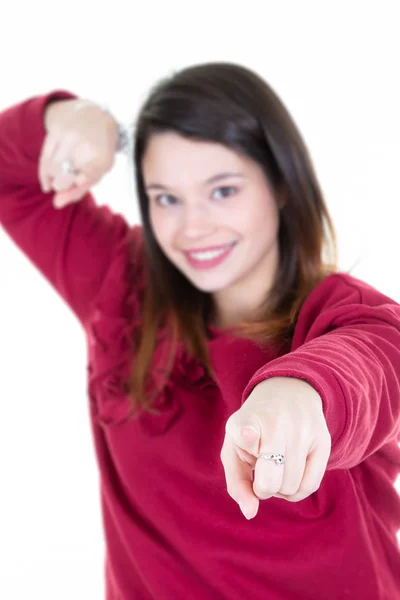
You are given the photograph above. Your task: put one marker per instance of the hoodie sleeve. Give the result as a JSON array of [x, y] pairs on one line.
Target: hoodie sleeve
[[347, 346], [71, 247]]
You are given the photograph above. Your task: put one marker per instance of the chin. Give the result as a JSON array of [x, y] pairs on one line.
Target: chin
[[207, 286]]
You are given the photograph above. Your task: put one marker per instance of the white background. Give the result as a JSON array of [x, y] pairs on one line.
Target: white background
[[335, 66]]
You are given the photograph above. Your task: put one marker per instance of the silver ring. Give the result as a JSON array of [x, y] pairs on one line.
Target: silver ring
[[278, 459], [68, 168]]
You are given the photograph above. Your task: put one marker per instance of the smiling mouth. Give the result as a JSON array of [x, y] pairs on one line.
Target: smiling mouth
[[209, 259], [210, 252]]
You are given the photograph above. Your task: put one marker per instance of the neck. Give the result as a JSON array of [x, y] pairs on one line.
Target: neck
[[242, 301]]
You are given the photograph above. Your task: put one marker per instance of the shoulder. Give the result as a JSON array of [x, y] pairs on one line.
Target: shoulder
[[343, 300], [342, 288]]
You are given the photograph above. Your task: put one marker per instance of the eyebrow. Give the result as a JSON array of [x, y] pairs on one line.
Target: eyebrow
[[213, 179]]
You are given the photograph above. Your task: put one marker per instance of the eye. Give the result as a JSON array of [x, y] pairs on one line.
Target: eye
[[226, 189], [164, 200], [159, 198]]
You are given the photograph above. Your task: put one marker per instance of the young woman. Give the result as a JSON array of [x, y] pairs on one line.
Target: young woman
[[230, 364]]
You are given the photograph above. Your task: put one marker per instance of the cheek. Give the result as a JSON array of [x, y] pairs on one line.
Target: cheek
[[161, 229], [264, 216]]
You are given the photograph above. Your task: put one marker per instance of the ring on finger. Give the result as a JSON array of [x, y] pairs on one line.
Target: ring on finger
[[278, 459], [67, 167]]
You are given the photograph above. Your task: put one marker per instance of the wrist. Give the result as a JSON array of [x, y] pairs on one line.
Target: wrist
[[123, 137], [56, 108], [123, 133]]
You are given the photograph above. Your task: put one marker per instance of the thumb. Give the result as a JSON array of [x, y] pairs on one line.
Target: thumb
[[248, 437]]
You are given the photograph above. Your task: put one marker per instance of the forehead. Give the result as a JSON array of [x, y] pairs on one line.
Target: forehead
[[172, 160]]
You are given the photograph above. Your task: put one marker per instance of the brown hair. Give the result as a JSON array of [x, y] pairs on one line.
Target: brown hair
[[231, 105]]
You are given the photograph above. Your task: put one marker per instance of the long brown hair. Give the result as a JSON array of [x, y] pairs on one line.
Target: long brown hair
[[231, 105]]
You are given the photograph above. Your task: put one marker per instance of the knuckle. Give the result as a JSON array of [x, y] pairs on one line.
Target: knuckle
[[308, 490], [266, 485], [263, 495], [314, 488], [266, 489], [289, 490], [295, 498]]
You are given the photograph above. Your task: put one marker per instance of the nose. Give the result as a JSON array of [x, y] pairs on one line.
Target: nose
[[196, 221]]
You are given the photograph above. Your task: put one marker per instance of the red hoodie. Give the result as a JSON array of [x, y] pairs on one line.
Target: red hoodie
[[172, 531]]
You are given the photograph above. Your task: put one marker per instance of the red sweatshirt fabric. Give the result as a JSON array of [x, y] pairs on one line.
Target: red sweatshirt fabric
[[171, 529]]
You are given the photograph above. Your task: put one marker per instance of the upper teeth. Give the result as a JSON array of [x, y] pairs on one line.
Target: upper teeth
[[210, 254]]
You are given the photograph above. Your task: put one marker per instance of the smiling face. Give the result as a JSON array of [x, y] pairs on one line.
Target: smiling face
[[196, 205]]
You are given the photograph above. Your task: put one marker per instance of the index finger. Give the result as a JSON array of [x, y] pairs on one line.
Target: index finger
[[239, 479]]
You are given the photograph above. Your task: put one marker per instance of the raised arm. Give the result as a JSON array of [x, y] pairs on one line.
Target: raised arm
[[72, 247]]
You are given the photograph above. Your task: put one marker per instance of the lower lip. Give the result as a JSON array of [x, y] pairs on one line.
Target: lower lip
[[209, 264]]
